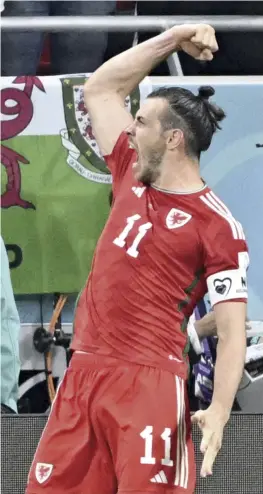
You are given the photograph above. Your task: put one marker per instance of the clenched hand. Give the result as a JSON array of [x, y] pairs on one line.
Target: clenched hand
[[198, 40]]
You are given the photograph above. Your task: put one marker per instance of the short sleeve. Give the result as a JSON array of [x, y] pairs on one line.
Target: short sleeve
[[120, 159], [226, 261]]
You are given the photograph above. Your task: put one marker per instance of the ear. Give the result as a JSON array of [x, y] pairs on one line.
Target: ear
[[174, 139]]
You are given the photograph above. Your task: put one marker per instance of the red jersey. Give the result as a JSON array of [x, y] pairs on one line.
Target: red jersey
[[158, 254]]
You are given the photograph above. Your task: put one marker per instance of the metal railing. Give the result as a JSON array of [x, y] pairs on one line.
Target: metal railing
[[128, 23]]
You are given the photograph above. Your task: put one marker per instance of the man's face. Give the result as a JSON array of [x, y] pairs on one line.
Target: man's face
[[147, 138]]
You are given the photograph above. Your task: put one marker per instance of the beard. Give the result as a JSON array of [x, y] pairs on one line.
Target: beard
[[148, 170], [148, 175]]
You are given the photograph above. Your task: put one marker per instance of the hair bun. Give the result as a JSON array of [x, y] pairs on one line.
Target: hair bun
[[204, 92]]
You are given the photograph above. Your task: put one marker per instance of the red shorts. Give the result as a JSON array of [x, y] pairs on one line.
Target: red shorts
[[115, 427]]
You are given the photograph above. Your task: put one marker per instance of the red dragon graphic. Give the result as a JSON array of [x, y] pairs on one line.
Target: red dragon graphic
[[88, 132], [23, 109], [81, 107]]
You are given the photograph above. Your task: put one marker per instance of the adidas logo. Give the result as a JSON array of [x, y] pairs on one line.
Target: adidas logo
[[160, 478], [138, 191]]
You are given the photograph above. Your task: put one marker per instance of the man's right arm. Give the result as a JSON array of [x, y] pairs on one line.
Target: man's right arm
[[106, 89]]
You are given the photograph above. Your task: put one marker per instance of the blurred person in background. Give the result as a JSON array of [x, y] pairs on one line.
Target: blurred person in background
[[71, 52], [10, 328], [241, 52], [121, 41]]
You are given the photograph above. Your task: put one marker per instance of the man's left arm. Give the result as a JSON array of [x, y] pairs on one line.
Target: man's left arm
[[226, 261], [227, 286], [230, 320]]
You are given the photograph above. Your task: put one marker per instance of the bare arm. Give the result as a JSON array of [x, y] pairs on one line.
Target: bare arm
[[206, 326], [199, 329], [107, 88], [230, 319], [231, 350]]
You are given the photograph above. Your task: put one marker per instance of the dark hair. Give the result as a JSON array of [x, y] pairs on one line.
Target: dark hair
[[194, 115]]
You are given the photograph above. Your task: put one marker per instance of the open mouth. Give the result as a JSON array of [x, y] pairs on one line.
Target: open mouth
[[132, 146]]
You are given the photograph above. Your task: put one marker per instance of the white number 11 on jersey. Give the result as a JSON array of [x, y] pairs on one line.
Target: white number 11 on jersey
[[142, 230]]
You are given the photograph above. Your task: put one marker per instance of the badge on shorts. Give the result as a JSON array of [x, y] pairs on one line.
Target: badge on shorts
[[177, 218], [43, 472]]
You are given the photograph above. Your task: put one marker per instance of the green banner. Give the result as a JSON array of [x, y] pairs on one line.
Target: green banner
[[54, 182]]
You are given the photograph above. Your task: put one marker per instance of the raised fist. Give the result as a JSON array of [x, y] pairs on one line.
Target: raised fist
[[198, 40]]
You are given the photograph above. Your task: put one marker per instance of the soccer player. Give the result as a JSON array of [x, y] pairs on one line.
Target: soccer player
[[120, 421]]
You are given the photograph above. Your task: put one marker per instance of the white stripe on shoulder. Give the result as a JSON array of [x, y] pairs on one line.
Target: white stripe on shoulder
[[214, 203], [228, 212]]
